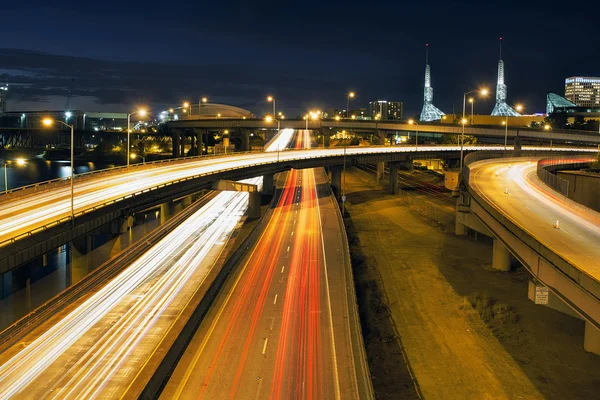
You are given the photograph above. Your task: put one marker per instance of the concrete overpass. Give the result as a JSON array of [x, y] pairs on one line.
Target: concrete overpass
[[553, 237], [195, 128], [36, 218]]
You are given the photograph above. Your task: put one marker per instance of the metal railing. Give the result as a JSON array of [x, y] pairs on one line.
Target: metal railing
[[546, 167]]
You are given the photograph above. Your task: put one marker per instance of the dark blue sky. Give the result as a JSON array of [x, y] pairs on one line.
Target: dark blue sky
[[114, 55]]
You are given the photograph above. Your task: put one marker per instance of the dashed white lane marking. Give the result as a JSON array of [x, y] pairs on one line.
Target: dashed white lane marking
[[265, 346], [282, 268], [275, 300]]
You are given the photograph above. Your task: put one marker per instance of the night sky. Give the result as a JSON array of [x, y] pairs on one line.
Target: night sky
[[113, 55]]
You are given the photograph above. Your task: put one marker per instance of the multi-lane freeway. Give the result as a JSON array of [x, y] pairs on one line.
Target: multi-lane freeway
[[513, 188], [96, 348], [34, 210], [281, 327]]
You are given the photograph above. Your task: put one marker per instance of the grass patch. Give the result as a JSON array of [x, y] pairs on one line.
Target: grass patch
[[497, 316]]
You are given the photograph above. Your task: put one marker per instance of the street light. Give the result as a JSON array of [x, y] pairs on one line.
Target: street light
[[49, 122], [344, 180], [141, 112], [270, 119], [350, 96], [337, 118], [202, 100], [413, 122], [482, 92], [134, 156], [20, 162], [472, 101], [272, 100]]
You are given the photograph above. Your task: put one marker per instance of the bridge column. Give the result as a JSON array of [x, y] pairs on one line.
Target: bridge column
[[380, 165], [192, 145], [182, 139], [176, 145], [199, 136], [500, 256], [336, 181], [254, 202], [166, 211], [393, 181], [267, 184], [245, 139], [326, 137], [591, 339], [517, 146]]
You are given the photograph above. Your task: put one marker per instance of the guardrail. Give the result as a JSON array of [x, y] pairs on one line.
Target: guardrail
[[52, 183], [545, 165]]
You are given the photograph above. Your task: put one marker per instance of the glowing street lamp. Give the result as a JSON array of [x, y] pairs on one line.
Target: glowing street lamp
[[350, 96], [472, 101], [48, 122], [142, 112], [547, 127], [270, 119], [337, 118], [483, 93], [202, 100], [413, 122], [271, 99], [134, 156], [20, 162]]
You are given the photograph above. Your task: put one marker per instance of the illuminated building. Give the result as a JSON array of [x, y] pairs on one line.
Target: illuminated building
[[583, 91], [429, 111], [501, 108]]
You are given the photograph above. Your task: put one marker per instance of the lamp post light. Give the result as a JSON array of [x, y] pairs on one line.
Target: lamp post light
[[505, 123], [413, 122], [134, 156], [20, 162], [49, 122], [269, 119], [350, 96], [202, 100], [344, 178], [141, 112], [482, 92], [472, 101], [271, 99]]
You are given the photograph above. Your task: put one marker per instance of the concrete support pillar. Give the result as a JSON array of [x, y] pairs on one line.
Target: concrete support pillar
[[500, 256], [245, 139], [7, 282], [336, 181], [381, 136], [193, 150], [326, 137], [517, 147], [254, 205], [393, 181], [459, 229], [166, 211], [182, 139], [186, 201], [176, 144], [380, 172], [267, 184], [199, 133], [591, 339]]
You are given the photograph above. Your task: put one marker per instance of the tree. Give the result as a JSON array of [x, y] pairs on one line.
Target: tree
[[455, 139], [579, 123], [557, 120]]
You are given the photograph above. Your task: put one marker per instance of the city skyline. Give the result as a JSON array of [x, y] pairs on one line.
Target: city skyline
[[244, 60]]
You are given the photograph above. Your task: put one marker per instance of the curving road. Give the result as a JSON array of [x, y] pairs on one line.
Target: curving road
[[31, 211], [513, 188]]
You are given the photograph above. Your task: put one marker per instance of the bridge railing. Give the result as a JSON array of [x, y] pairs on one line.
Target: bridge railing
[[546, 166], [52, 183]]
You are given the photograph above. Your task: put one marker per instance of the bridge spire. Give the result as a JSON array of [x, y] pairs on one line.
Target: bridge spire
[[501, 108], [429, 111]]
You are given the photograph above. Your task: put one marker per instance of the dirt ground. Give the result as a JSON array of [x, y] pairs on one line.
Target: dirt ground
[[458, 329]]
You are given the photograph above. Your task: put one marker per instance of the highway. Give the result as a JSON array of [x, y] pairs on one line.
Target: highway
[[96, 348], [513, 188], [281, 328], [23, 214]]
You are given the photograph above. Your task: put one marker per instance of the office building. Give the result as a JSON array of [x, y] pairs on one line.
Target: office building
[[583, 91], [385, 110]]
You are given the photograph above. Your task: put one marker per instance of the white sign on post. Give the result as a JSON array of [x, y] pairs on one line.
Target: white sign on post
[[541, 295]]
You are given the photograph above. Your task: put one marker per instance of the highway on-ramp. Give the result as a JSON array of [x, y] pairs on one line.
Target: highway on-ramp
[[513, 188]]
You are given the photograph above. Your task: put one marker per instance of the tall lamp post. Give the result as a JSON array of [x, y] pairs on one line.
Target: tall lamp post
[[49, 122], [344, 179], [482, 92], [350, 96], [413, 122], [271, 99], [202, 100], [269, 119], [20, 161], [472, 101], [141, 112], [519, 108]]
